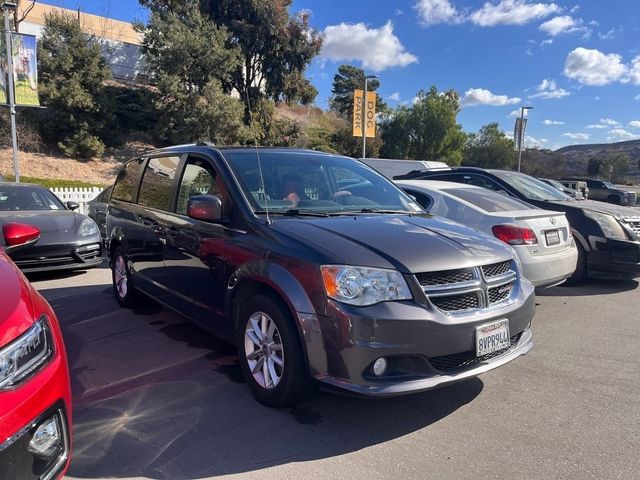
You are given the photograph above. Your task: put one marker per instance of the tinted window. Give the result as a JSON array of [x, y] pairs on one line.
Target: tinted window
[[198, 179], [530, 187], [13, 198], [487, 200], [155, 188], [469, 179], [125, 186]]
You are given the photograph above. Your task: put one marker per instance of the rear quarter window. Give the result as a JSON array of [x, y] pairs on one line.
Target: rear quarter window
[[155, 188], [125, 185]]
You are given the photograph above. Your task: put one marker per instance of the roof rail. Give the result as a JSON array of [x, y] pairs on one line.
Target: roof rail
[[205, 144]]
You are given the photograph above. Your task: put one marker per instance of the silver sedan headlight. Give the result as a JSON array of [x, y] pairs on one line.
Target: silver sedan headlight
[[88, 227], [26, 354], [364, 286], [608, 223]]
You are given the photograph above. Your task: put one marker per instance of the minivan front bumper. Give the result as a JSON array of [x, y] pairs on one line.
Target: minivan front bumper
[[613, 259], [424, 348]]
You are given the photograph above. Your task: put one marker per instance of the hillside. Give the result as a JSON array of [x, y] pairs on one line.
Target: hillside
[[577, 156]]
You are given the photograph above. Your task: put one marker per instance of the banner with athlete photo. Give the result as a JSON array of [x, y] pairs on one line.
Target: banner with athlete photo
[[25, 69], [4, 78]]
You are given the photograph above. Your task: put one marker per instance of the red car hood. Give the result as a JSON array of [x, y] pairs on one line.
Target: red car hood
[[16, 311]]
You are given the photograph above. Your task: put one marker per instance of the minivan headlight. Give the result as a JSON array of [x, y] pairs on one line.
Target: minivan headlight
[[363, 286], [25, 354], [609, 225]]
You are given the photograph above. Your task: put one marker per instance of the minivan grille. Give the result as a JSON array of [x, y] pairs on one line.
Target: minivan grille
[[456, 303], [464, 290], [496, 269], [458, 362], [445, 277]]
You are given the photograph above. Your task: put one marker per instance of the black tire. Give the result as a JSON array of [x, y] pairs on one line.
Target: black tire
[[580, 274], [294, 383], [130, 298]]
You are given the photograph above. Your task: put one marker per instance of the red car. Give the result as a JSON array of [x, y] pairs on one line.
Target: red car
[[35, 393]]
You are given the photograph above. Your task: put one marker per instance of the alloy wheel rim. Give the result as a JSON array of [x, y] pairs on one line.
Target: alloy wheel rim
[[120, 276], [263, 350]]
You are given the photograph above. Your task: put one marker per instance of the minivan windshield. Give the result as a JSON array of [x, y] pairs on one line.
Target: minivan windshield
[[532, 188], [314, 183]]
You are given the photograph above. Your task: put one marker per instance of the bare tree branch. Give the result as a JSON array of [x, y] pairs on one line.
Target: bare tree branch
[[19, 17]]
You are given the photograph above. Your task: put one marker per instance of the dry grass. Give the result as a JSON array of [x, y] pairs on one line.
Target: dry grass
[[98, 170]]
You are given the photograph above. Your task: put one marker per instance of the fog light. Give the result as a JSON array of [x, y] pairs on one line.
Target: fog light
[[379, 367], [47, 440]]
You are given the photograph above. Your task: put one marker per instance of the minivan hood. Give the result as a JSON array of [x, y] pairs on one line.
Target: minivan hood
[[408, 243]]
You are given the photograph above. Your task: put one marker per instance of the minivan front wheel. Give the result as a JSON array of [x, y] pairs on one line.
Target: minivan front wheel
[[121, 278], [271, 357]]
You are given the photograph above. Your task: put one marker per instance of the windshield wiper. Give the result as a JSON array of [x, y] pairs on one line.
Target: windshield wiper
[[297, 212], [381, 210]]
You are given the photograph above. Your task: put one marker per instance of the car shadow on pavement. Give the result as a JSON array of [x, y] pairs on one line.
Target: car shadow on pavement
[[157, 397], [591, 287]]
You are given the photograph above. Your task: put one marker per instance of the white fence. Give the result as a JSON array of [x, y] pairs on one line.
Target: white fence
[[79, 195]]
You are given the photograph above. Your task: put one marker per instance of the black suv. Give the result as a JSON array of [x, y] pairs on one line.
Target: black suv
[[608, 237], [318, 268]]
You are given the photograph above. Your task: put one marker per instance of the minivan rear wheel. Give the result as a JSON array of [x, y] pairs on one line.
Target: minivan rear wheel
[[271, 357], [121, 278]]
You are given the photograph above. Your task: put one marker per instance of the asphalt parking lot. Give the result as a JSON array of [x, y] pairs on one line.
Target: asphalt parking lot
[[157, 398]]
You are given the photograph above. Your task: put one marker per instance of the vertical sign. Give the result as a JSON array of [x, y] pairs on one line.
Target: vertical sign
[[517, 132], [370, 115], [357, 112], [25, 69]]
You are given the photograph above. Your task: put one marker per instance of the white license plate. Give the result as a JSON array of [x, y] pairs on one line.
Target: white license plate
[[553, 237], [492, 337]]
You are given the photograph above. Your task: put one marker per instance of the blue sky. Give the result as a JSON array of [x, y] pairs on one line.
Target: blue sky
[[577, 63]]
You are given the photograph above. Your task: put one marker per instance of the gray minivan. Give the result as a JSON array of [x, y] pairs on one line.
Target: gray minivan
[[319, 270]]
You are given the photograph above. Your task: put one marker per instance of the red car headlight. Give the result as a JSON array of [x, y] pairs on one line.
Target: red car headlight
[[26, 354]]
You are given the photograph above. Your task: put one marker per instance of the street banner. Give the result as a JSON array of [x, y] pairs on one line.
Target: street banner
[[521, 124], [370, 115], [358, 96], [25, 69], [4, 79]]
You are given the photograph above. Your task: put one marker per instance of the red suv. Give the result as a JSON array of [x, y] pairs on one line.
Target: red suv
[[35, 394]]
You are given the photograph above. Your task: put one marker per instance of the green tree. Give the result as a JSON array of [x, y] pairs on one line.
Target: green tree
[[348, 79], [489, 148], [615, 166], [191, 59], [593, 167], [426, 131], [71, 74]]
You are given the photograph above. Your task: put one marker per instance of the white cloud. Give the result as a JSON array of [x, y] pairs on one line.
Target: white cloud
[[634, 123], [546, 42], [609, 121], [515, 113], [481, 96], [552, 122], [394, 96], [512, 12], [634, 71], [596, 126], [377, 48], [594, 68], [577, 136], [563, 25], [432, 12], [549, 89], [534, 142], [621, 134], [607, 36], [414, 100], [637, 97]]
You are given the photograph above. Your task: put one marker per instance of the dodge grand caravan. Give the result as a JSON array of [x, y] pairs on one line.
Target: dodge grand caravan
[[319, 269]]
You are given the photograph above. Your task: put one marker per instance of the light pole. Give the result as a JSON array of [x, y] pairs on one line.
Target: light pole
[[521, 139], [6, 8], [364, 115]]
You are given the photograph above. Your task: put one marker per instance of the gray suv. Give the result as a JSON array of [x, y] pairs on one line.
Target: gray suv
[[319, 270], [607, 192]]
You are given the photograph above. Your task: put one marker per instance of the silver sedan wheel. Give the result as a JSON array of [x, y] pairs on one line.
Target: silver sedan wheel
[[263, 350], [120, 276]]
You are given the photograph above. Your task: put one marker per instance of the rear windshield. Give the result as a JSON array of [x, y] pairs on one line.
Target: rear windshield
[[532, 188], [285, 180], [488, 200], [21, 198]]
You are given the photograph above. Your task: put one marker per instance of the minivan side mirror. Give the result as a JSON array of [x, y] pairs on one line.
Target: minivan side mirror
[[207, 208], [18, 235], [73, 205]]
